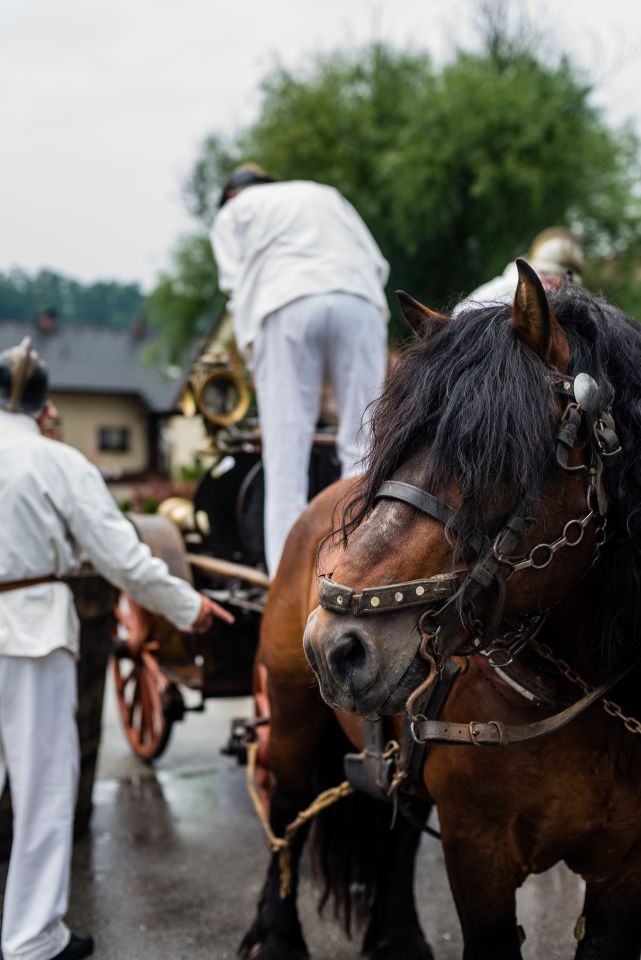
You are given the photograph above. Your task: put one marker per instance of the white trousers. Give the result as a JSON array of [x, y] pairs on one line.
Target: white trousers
[[336, 337], [39, 753]]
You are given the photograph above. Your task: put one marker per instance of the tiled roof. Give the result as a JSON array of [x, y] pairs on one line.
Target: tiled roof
[[89, 359]]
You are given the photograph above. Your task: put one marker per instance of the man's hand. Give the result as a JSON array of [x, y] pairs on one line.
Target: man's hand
[[209, 609]]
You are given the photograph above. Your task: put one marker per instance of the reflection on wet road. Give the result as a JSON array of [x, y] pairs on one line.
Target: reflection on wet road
[[176, 859]]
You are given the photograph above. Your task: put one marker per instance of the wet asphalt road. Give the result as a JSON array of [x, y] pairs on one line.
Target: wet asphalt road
[[175, 861]]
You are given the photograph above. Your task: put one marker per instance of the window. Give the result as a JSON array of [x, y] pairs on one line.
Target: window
[[113, 439]]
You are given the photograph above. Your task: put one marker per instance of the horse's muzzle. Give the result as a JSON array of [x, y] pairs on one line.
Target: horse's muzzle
[[351, 662]]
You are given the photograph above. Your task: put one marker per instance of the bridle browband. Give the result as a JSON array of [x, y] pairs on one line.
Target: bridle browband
[[450, 618]]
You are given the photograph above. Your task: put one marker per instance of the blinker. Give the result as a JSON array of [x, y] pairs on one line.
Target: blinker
[[586, 392]]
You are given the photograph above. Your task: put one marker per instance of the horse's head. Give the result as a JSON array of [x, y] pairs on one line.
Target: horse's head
[[494, 512]]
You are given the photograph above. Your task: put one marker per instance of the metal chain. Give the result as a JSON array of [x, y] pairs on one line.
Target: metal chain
[[509, 643], [611, 708], [542, 554], [614, 710]]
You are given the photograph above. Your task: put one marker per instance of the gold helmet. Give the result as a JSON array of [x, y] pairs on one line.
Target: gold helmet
[[23, 379], [556, 252]]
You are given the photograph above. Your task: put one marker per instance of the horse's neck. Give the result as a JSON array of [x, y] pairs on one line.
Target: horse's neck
[[572, 632]]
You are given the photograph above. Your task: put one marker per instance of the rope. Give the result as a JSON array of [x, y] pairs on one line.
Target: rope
[[282, 845]]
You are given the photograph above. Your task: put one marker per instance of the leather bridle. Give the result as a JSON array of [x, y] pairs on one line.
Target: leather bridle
[[450, 622]]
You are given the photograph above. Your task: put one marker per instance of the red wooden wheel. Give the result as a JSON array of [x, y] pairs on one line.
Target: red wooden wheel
[[149, 702]]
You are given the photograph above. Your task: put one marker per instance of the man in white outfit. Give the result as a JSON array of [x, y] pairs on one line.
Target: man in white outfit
[[306, 284], [55, 506], [555, 254]]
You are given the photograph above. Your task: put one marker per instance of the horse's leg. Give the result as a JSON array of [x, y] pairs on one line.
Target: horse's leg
[[483, 878], [612, 922], [394, 932], [276, 933], [294, 749]]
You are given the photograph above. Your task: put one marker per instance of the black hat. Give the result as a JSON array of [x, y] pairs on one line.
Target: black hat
[[23, 379], [246, 175]]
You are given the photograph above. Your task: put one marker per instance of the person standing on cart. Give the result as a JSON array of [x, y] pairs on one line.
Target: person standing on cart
[[55, 507], [306, 285], [556, 254]]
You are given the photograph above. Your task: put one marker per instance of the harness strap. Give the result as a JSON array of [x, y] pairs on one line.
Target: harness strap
[[371, 770], [429, 707], [567, 439], [340, 599], [392, 775], [428, 504], [495, 733]]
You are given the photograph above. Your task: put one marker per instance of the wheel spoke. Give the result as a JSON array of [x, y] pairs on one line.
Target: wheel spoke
[[143, 727], [133, 704], [141, 686], [154, 710], [125, 680]]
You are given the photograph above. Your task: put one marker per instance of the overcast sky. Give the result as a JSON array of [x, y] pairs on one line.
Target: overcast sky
[[104, 103]]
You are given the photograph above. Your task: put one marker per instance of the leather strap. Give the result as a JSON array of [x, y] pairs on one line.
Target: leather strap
[[567, 439], [428, 504], [20, 584], [429, 707], [416, 497], [395, 596], [371, 771], [495, 733]]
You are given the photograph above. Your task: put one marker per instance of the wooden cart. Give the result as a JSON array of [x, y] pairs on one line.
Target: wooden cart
[[223, 552]]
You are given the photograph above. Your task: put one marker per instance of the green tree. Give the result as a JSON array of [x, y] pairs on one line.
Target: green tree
[[108, 303], [501, 150], [455, 170], [186, 302]]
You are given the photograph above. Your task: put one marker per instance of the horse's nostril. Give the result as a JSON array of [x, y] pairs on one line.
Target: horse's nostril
[[347, 653]]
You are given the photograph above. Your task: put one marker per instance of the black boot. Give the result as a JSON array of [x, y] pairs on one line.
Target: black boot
[[80, 945]]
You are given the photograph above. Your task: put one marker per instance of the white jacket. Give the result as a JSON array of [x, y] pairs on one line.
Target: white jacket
[[502, 289], [277, 242], [54, 505]]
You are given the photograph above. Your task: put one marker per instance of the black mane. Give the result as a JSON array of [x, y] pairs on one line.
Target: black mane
[[479, 403]]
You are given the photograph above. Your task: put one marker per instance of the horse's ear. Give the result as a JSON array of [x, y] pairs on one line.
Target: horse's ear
[[418, 316], [535, 323]]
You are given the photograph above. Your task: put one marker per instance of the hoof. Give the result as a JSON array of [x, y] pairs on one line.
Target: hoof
[[400, 948], [259, 944], [272, 949]]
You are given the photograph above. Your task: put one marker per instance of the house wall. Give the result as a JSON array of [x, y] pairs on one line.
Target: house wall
[[84, 414], [184, 437]]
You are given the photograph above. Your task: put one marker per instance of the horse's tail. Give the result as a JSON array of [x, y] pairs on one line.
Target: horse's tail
[[348, 843]]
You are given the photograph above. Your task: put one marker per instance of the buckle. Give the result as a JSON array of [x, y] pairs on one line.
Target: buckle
[[475, 732], [414, 721]]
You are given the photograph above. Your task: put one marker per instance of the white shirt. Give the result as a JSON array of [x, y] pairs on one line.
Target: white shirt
[[277, 242], [499, 291], [54, 506], [502, 289]]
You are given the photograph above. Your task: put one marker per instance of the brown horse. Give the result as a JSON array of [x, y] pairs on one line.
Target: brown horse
[[509, 550], [368, 868]]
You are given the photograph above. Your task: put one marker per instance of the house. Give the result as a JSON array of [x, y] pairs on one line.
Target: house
[[113, 404]]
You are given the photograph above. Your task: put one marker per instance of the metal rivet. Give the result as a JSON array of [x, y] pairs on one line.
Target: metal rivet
[[339, 599], [398, 597], [567, 385], [420, 591], [375, 601]]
